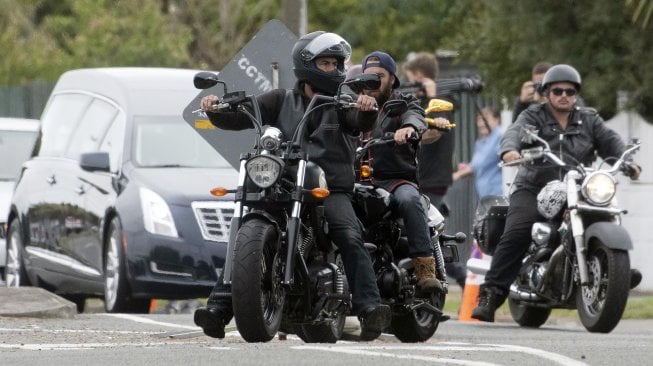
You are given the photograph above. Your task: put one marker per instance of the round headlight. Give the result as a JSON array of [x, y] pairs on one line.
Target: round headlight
[[263, 170], [271, 139], [599, 188]]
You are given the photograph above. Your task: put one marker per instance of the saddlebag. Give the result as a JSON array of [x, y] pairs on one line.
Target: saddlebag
[[489, 221]]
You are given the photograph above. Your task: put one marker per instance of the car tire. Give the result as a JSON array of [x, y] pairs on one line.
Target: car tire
[[117, 293], [15, 273]]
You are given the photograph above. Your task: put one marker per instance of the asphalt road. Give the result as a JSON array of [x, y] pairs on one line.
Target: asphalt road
[[161, 339]]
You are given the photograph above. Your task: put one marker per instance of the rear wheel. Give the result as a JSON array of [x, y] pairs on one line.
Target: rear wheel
[[15, 274], [601, 304], [117, 294], [420, 324], [528, 316], [258, 297]]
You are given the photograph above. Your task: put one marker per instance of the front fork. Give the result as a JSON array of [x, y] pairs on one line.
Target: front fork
[[577, 228], [235, 224]]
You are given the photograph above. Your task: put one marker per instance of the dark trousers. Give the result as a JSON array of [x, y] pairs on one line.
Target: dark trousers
[[408, 202], [345, 230], [516, 238]]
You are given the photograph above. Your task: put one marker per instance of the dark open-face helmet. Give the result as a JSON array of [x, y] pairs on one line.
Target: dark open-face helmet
[[313, 46], [560, 73]]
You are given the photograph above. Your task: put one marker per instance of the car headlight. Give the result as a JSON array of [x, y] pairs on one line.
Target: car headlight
[[264, 170], [599, 188], [157, 218]]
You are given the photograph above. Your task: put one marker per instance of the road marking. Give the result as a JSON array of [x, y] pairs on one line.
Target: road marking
[[140, 319], [445, 346], [41, 330]]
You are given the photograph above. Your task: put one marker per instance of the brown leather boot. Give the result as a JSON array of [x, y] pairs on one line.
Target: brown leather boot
[[425, 272]]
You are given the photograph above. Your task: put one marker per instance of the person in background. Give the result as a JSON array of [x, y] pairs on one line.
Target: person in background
[[570, 130], [484, 166], [530, 93], [436, 158]]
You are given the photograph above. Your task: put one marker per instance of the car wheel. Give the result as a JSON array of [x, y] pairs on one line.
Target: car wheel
[[15, 274], [117, 294]]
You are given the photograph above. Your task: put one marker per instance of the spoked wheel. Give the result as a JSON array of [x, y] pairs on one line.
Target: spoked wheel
[[526, 315], [117, 294], [258, 297], [601, 304], [15, 274], [420, 324]]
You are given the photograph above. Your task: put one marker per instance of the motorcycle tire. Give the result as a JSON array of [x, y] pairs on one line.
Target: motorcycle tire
[[528, 316], [418, 325], [257, 295], [601, 304]]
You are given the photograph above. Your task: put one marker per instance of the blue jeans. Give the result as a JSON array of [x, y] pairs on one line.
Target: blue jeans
[[409, 204]]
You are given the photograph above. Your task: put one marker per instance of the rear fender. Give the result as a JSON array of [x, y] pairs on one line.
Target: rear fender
[[613, 236]]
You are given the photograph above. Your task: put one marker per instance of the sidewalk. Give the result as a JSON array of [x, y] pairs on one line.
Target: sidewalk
[[34, 302]]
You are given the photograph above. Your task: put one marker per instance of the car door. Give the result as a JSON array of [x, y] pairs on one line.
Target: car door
[[93, 189], [53, 211]]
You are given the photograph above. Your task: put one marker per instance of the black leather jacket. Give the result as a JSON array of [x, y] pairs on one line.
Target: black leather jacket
[[397, 161], [327, 143], [585, 135]]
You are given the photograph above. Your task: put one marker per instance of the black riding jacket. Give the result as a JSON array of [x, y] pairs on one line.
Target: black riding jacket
[[328, 143], [397, 161], [585, 135]]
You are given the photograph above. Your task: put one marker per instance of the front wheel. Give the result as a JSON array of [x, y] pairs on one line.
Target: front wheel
[[526, 315], [117, 294], [601, 303], [257, 295]]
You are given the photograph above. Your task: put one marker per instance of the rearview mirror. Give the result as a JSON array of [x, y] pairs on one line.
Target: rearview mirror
[[205, 80], [395, 107], [363, 81]]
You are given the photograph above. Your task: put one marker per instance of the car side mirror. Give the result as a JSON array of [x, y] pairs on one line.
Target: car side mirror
[[95, 161]]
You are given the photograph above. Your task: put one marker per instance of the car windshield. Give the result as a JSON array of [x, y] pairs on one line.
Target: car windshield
[[15, 148], [168, 141]]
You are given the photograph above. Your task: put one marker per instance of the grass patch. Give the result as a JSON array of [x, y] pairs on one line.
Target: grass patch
[[638, 307]]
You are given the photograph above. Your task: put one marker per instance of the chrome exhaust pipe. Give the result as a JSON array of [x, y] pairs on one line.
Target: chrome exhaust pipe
[[517, 294]]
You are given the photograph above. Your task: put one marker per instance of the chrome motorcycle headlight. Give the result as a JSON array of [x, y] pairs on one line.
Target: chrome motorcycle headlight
[[263, 170], [271, 139], [599, 188]]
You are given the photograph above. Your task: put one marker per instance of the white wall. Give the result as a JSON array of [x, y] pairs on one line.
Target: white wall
[[637, 197]]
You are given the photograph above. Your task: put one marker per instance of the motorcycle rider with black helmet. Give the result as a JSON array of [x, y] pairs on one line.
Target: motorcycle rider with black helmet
[[573, 131], [331, 139]]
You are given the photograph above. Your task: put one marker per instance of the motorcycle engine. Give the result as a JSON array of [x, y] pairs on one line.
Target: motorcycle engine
[[391, 281], [536, 274]]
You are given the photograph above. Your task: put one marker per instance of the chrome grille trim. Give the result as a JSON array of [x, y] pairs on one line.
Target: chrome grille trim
[[214, 219]]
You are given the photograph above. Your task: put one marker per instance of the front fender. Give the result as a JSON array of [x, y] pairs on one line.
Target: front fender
[[263, 216], [613, 236]]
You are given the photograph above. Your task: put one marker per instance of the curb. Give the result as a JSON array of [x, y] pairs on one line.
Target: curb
[[34, 302]]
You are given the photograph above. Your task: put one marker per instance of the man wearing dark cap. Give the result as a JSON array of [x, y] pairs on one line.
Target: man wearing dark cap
[[394, 166]]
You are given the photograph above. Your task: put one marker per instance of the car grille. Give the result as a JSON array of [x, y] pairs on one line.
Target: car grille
[[214, 218]]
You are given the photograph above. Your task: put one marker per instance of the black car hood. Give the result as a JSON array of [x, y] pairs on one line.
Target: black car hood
[[180, 186]]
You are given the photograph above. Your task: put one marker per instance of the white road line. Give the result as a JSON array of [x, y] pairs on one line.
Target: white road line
[[41, 330], [374, 351], [140, 319]]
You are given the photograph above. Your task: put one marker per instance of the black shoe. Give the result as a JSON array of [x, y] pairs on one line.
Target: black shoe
[[488, 302], [635, 278], [211, 320], [374, 320]]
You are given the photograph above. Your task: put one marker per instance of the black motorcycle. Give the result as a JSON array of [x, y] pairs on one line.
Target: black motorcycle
[[283, 272], [415, 315], [578, 258]]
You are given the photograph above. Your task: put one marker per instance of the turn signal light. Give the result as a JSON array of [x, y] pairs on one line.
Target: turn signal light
[[320, 192], [219, 191], [366, 171]]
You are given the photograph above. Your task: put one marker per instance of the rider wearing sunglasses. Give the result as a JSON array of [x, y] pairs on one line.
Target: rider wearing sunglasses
[[575, 133]]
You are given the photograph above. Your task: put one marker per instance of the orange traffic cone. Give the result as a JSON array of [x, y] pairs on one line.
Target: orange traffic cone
[[153, 306], [477, 266]]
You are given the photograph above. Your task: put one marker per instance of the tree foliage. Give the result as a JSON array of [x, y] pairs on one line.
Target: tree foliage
[[606, 40]]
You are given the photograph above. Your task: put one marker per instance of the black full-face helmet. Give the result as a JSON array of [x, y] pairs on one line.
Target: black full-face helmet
[[315, 45], [559, 73]]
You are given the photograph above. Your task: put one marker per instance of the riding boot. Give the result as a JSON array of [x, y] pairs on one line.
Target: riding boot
[[425, 272], [489, 300]]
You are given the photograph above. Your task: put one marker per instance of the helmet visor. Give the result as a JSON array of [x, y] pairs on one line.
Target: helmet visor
[[327, 44]]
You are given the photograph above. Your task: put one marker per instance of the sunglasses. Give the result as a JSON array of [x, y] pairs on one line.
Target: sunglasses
[[558, 92]]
